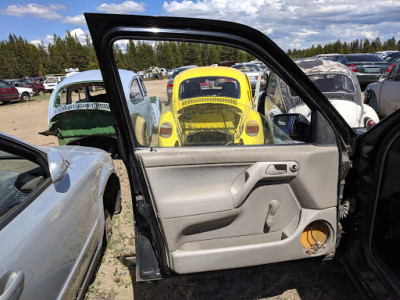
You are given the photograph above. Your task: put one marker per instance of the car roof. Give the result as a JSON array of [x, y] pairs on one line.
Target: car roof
[[317, 65], [95, 76]]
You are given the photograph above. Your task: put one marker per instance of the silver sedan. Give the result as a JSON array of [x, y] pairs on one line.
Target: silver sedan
[[55, 203], [384, 95]]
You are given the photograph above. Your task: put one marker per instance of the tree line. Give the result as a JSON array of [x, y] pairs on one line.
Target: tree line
[[141, 55], [356, 46], [19, 58]]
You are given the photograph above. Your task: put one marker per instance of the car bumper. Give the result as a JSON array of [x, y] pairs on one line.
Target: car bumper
[[169, 93], [367, 78]]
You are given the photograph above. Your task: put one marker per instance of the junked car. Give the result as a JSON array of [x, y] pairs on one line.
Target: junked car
[[25, 92], [336, 81], [170, 83], [253, 71], [56, 205], [79, 110], [384, 96], [211, 105], [8, 93], [206, 208], [51, 82], [367, 67]]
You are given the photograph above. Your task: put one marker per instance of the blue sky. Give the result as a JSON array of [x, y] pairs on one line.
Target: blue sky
[[290, 23]]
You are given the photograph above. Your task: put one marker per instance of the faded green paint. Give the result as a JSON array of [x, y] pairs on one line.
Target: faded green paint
[[79, 124]]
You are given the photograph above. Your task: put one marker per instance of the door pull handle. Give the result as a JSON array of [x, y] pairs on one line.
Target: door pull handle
[[272, 209]]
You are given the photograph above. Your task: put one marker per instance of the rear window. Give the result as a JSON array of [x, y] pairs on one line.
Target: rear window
[[212, 86], [363, 58], [332, 83]]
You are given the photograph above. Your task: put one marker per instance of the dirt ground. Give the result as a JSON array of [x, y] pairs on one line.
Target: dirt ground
[[115, 278]]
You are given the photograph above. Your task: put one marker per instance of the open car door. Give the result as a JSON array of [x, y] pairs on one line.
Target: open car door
[[371, 242], [211, 206]]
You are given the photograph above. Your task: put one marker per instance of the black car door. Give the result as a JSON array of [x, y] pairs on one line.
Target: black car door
[[371, 243], [213, 207]]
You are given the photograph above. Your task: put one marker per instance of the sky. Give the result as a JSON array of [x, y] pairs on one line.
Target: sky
[[289, 23]]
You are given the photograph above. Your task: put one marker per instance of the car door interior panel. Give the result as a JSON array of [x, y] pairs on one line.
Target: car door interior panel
[[232, 210]]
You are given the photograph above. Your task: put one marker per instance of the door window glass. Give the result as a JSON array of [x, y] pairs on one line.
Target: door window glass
[[136, 93], [143, 87], [212, 103], [19, 177]]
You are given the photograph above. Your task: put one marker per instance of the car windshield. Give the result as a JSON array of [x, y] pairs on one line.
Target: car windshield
[[247, 68], [363, 58], [332, 84], [210, 86]]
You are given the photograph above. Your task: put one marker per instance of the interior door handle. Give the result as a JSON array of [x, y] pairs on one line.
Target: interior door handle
[[261, 171], [11, 285]]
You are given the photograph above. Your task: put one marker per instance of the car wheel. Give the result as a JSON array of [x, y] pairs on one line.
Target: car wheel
[[41, 92], [108, 225], [25, 97]]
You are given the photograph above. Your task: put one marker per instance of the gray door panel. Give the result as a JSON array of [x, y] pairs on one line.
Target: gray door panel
[[216, 211]]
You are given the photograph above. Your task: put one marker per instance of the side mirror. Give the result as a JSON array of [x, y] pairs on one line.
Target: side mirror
[[57, 166], [296, 126]]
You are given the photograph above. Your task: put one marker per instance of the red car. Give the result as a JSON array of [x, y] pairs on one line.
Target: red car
[[36, 83], [7, 92], [37, 87]]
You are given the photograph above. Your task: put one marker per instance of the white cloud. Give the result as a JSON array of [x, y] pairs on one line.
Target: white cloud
[[78, 20], [80, 34], [34, 9], [310, 20], [36, 42], [305, 32], [122, 8]]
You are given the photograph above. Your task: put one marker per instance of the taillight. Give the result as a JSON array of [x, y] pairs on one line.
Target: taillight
[[390, 67], [166, 129], [252, 128], [170, 85], [353, 67], [369, 123]]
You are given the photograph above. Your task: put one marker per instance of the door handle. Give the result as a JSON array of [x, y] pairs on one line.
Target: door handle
[[11, 285], [261, 171]]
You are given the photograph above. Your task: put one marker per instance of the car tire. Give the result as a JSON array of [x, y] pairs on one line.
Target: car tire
[[41, 92], [107, 225], [25, 97]]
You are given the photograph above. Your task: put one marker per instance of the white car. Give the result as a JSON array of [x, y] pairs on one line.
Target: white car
[[79, 111], [51, 82], [336, 81]]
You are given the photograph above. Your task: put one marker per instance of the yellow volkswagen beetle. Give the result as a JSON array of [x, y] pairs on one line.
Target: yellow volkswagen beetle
[[211, 106]]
